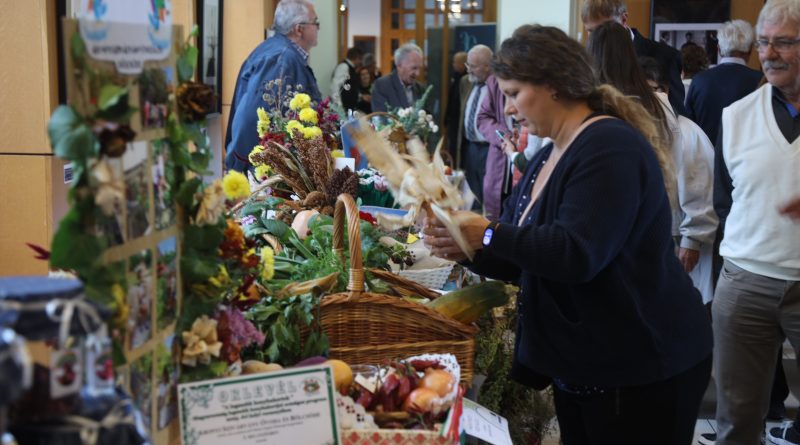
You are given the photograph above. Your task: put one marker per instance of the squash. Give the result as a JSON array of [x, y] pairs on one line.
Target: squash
[[300, 222], [468, 304]]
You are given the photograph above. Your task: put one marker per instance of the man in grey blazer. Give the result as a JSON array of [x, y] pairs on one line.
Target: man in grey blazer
[[400, 88]]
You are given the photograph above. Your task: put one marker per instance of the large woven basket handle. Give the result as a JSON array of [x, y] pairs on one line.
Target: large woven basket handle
[[345, 204]]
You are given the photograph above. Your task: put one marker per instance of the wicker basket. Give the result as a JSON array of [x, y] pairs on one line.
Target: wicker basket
[[367, 328]]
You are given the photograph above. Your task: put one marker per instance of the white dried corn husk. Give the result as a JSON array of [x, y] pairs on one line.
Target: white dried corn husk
[[414, 181]]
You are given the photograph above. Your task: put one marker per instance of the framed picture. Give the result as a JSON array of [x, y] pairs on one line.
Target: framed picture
[[679, 35], [209, 43]]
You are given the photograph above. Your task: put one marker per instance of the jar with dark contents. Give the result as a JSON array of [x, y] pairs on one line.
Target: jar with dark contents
[[54, 317]]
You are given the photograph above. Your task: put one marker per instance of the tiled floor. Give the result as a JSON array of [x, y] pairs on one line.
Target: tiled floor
[[706, 422]]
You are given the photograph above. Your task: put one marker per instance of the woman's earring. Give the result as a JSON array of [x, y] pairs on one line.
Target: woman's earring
[[554, 96]]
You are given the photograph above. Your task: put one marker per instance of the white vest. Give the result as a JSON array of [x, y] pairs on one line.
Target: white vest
[[765, 170]]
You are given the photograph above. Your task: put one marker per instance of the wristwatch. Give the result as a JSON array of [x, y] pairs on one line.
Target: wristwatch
[[489, 232]]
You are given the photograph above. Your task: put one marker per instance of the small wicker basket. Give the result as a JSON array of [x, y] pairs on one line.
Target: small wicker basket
[[434, 278], [367, 328]]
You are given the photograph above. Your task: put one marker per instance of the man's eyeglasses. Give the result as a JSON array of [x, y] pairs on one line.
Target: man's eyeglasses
[[779, 45], [315, 23]]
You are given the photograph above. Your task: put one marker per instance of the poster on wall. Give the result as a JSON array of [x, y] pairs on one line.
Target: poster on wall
[[122, 78], [682, 35]]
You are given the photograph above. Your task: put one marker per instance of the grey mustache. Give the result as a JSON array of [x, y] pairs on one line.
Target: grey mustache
[[770, 65]]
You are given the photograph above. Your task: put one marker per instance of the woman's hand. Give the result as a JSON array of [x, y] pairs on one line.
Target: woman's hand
[[792, 209], [442, 244], [508, 147], [689, 258]]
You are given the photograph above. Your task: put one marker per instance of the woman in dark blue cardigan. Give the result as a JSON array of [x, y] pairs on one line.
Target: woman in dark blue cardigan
[[606, 312]]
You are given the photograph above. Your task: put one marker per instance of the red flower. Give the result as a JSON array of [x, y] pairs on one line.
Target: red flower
[[364, 216]]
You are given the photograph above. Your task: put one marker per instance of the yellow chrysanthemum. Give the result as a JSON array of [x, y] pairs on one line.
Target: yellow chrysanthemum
[[337, 154], [222, 279], [263, 171], [267, 263], [121, 313], [262, 115], [256, 150], [262, 128], [292, 125], [309, 115], [311, 132], [300, 101], [235, 185]]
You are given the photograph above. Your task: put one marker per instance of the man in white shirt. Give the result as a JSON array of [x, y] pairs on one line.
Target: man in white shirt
[[345, 82], [757, 300]]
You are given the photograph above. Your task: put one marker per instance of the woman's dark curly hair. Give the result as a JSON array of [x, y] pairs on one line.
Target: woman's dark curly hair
[[544, 55]]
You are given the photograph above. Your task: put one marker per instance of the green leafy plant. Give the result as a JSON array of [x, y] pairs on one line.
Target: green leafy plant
[[527, 410]]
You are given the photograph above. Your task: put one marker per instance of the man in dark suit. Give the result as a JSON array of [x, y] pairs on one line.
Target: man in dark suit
[[731, 80], [454, 103], [345, 82], [595, 12], [400, 88]]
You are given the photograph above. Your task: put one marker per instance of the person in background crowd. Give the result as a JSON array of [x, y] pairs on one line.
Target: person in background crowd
[[757, 300], [694, 222], [454, 104], [283, 57], [595, 12], [492, 122], [693, 218], [525, 144], [364, 91], [694, 60], [400, 89], [724, 84], [606, 313], [474, 146], [345, 81], [370, 64]]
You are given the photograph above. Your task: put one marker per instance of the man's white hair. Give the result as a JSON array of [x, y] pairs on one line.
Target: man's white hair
[[735, 36], [290, 13], [779, 12], [401, 53], [481, 49]]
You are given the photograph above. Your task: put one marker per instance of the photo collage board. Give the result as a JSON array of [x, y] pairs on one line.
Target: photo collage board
[[142, 234]]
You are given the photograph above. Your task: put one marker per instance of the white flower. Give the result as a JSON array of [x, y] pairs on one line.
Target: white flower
[[422, 113], [403, 112], [435, 128], [429, 118]]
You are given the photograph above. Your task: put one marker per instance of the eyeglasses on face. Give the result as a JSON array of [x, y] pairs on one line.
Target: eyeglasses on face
[[474, 65], [314, 23], [779, 45]]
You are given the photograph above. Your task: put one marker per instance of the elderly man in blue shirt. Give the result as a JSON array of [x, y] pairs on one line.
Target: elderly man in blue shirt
[[283, 56]]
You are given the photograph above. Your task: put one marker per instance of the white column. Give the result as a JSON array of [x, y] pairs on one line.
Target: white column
[[513, 13], [324, 56]]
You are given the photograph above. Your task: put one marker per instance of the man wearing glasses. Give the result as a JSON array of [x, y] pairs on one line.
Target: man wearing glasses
[[276, 64], [757, 301]]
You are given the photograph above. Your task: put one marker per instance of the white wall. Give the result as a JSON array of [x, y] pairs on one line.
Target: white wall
[[513, 13], [324, 56], [365, 20]]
